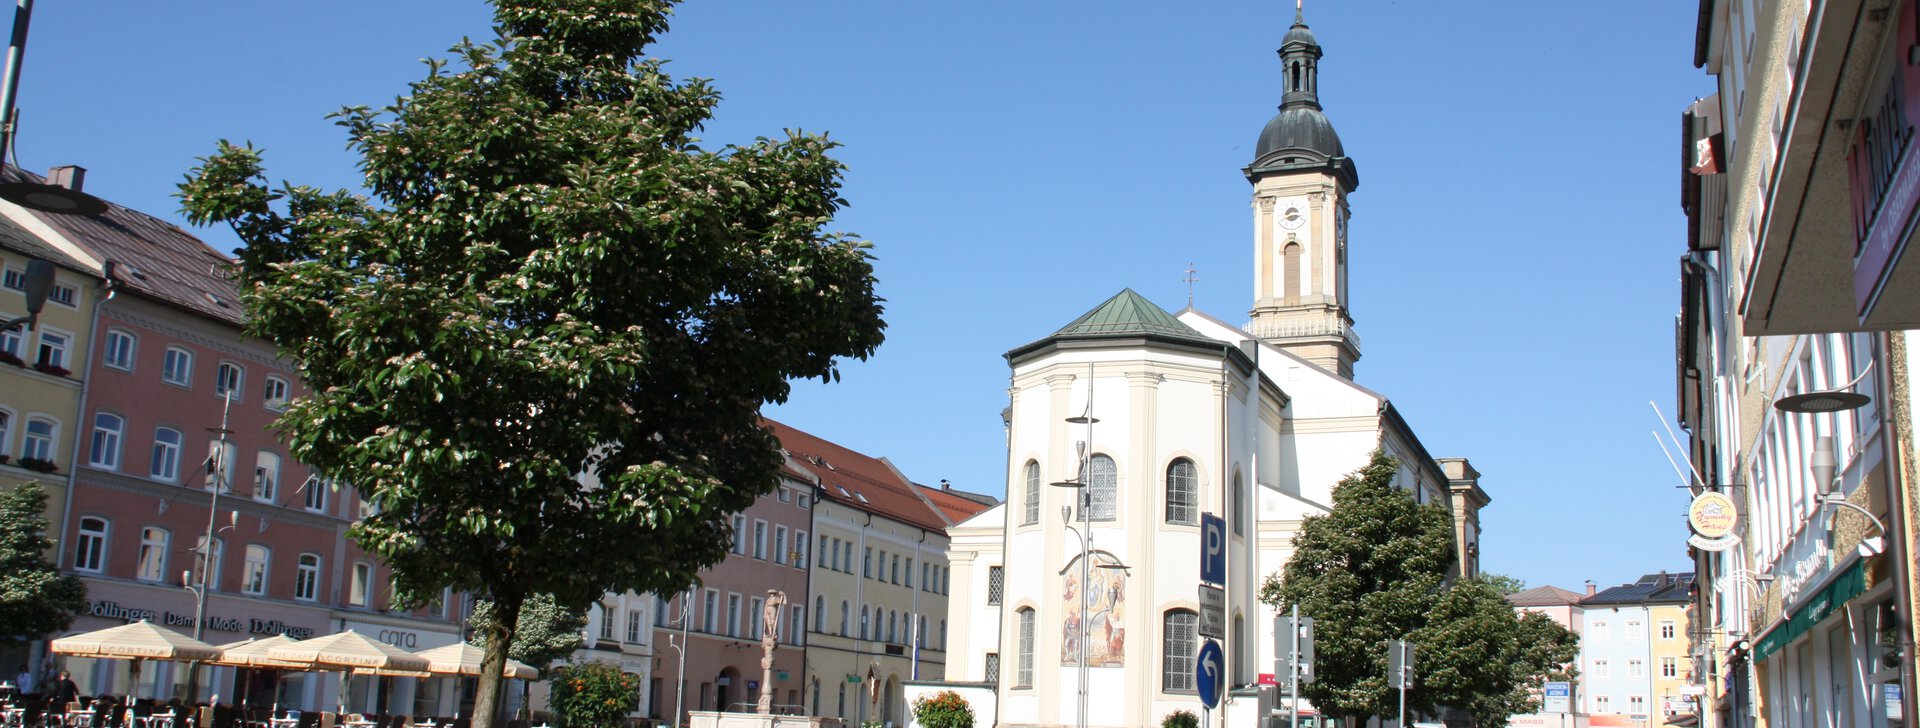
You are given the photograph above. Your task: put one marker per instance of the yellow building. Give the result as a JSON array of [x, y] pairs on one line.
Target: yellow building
[[1672, 665], [42, 373]]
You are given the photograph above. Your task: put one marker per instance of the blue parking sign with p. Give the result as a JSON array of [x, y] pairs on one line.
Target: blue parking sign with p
[[1213, 549]]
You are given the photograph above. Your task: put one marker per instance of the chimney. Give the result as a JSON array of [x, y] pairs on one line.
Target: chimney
[[944, 485], [70, 176], [1591, 588]]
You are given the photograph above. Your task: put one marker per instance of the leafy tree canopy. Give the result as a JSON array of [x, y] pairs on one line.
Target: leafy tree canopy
[[35, 598], [1380, 567], [1503, 584], [545, 633], [540, 347]]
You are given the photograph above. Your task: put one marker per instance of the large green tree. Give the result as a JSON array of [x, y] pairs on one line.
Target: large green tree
[[544, 634], [35, 598], [540, 345], [1379, 567]]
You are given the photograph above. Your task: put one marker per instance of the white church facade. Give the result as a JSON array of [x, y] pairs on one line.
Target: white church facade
[[1149, 419]]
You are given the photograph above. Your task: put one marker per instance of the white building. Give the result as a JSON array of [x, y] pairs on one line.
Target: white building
[[1192, 415]]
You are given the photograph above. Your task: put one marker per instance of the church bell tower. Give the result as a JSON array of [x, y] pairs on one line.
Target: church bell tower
[[1301, 179]]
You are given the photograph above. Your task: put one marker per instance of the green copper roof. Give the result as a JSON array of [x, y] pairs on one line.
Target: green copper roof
[[1129, 314]]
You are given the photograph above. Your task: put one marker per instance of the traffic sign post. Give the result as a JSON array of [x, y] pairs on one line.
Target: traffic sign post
[[1213, 612], [1213, 549], [1209, 669], [1558, 697], [1400, 672]]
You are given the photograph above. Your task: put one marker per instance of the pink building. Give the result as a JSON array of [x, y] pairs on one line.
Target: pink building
[[167, 360]]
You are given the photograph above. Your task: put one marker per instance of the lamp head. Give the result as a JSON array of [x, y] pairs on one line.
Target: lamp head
[[39, 284], [1821, 463], [1066, 514]]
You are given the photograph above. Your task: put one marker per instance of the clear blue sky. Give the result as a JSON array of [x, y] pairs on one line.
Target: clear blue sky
[[1515, 233]]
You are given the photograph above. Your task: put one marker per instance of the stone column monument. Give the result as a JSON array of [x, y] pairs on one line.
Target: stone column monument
[[769, 636]]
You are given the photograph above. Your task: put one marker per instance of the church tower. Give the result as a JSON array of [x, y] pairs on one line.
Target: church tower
[[1301, 179]]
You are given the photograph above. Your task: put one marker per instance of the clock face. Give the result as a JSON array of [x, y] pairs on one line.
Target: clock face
[[1292, 216]]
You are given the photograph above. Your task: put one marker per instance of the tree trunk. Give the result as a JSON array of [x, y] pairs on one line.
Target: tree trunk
[[486, 695]]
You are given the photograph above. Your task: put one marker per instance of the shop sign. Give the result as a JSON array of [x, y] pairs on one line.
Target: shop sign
[[1883, 173], [113, 610], [1803, 571], [1713, 544], [1891, 691], [1712, 515]]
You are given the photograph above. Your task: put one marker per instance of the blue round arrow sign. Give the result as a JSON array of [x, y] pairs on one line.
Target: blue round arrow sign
[[1209, 669]]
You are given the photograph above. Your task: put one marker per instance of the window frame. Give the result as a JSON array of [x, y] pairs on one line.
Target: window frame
[[1182, 493], [1031, 504], [119, 349], [306, 577], [94, 561], [1024, 634], [266, 476], [1179, 641], [105, 445], [237, 387], [48, 443], [360, 585], [1102, 502], [63, 351], [268, 398], [255, 575], [151, 566], [176, 366], [172, 473]]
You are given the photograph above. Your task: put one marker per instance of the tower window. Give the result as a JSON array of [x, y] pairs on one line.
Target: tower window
[[1290, 273]]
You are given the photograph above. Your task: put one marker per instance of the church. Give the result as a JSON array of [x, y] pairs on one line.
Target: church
[[1130, 422]]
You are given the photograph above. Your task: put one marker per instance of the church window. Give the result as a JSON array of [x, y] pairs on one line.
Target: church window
[[1290, 273], [1177, 648], [1182, 491], [1103, 498], [1032, 515], [1023, 671], [1296, 75], [865, 614], [996, 582], [1239, 508]]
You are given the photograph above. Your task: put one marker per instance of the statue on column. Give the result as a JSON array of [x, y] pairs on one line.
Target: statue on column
[[769, 636]]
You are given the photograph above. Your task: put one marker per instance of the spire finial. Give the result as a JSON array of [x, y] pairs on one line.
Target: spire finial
[[1299, 12], [1192, 278]]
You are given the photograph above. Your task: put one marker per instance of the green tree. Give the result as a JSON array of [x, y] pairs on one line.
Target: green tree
[[1367, 572], [35, 598], [593, 695], [539, 349], [1505, 585], [1380, 567], [544, 634]]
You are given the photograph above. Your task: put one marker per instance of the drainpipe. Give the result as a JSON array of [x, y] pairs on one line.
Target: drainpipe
[[80, 415], [1900, 491]]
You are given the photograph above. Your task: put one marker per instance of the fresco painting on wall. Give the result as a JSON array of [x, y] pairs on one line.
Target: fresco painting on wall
[[1106, 614]]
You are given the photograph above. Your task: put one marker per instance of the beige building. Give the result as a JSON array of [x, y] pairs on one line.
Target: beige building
[[42, 373]]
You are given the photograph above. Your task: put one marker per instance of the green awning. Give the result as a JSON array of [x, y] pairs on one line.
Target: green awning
[[1833, 596]]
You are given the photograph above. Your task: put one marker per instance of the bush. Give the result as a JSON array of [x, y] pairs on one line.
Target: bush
[[1180, 719], [593, 695], [944, 709]]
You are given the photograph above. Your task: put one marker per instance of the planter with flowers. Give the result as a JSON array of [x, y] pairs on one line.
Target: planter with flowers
[[54, 369], [38, 465]]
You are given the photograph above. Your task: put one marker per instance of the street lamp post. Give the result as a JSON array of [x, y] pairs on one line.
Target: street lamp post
[[218, 466], [1082, 483], [686, 618]]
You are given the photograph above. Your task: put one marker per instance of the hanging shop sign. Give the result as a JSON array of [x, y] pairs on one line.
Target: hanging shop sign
[[1713, 517]]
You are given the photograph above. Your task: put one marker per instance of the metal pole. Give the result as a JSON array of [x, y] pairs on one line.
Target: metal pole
[[1406, 671], [680, 692], [1293, 672], [16, 56], [220, 482], [1086, 546]]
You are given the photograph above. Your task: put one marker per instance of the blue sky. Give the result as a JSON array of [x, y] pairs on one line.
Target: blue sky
[[1515, 233]]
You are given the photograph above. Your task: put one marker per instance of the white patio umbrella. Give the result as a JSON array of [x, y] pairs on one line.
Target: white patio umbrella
[[252, 653], [135, 641], [351, 652]]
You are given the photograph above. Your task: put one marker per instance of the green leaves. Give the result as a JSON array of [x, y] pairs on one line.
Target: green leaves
[[35, 598], [1380, 567], [541, 345]]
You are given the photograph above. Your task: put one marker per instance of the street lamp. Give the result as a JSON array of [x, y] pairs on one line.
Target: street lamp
[[686, 619], [43, 197], [1822, 464], [38, 284], [1838, 399], [217, 465], [1081, 483]]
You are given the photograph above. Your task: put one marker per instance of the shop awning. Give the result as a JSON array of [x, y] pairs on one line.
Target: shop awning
[[1835, 594]]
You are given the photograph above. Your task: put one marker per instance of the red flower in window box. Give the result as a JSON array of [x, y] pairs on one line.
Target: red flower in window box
[[36, 464], [8, 357], [54, 369]]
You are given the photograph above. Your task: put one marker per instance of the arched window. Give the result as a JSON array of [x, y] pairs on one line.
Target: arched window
[[90, 550], [1290, 273], [1033, 495], [1177, 645], [819, 614], [1183, 492], [893, 623], [846, 614], [306, 581], [107, 432], [255, 580], [1023, 669], [1239, 506], [165, 464], [266, 476], [6, 431], [153, 554], [1103, 498], [863, 621], [38, 443]]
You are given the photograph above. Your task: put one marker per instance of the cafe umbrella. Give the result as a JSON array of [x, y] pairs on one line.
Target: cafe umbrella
[[251, 653], [351, 652], [462, 659], [136, 641]]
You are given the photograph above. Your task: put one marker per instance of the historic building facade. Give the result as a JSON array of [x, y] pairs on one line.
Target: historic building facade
[[1794, 364], [1147, 420]]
